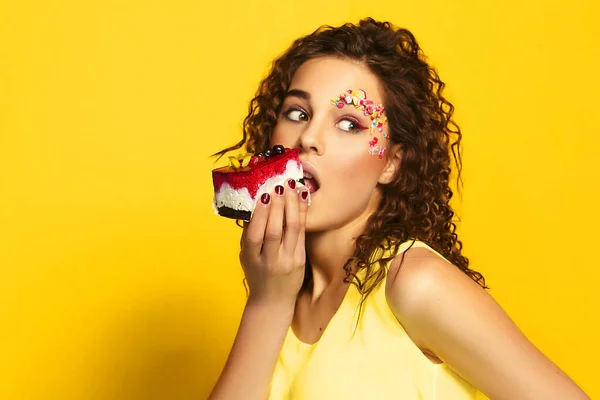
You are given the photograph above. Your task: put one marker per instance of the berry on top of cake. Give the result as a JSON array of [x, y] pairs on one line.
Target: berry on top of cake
[[238, 186]]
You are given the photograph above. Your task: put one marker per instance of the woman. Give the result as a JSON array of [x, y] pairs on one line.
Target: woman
[[366, 293]]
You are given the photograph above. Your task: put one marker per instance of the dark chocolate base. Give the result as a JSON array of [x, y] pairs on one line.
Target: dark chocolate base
[[234, 214]]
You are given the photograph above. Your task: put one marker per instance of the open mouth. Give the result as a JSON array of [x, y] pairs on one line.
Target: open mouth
[[310, 182]]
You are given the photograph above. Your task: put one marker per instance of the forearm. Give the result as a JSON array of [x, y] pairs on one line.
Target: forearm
[[251, 363]]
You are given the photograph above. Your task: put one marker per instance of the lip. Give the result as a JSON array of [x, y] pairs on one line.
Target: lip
[[309, 168]]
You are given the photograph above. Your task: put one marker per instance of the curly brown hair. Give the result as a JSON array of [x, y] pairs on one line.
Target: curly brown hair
[[416, 204]]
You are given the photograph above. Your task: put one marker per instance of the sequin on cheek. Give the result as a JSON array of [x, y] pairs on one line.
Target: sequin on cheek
[[375, 150]]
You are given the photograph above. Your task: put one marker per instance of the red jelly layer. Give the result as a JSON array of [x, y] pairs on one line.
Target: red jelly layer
[[252, 177]]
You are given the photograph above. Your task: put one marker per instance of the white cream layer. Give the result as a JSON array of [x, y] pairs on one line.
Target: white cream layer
[[240, 199]]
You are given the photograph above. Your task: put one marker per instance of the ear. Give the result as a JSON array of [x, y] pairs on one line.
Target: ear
[[392, 165]]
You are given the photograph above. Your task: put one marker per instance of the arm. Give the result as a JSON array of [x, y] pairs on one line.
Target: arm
[[273, 259], [249, 368], [448, 314]]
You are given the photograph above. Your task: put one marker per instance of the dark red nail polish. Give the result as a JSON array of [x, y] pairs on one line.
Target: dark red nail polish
[[304, 195], [292, 183], [279, 189], [265, 198]]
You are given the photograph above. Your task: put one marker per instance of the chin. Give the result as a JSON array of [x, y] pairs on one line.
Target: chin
[[316, 223], [312, 226], [323, 222], [331, 218]]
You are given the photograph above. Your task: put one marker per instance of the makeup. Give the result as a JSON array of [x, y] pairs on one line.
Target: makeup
[[359, 100], [376, 150]]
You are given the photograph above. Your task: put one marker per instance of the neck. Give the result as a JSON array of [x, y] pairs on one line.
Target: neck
[[328, 252]]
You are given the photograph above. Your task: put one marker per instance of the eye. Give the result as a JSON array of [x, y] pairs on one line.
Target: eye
[[350, 125], [295, 114]]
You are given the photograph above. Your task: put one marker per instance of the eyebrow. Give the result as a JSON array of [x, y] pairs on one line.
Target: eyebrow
[[297, 93]]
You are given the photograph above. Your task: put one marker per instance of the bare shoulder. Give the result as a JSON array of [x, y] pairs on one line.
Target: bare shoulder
[[452, 317], [429, 296], [421, 279]]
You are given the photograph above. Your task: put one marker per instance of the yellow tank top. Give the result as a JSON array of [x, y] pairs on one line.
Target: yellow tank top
[[372, 359]]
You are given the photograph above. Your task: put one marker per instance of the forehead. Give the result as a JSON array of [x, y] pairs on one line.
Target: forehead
[[327, 77]]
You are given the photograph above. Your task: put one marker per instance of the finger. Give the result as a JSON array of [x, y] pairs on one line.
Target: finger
[[254, 231], [244, 230], [274, 230], [302, 213], [292, 219]]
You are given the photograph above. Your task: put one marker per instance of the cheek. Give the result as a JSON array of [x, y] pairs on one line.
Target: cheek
[[377, 147], [285, 135], [358, 165]]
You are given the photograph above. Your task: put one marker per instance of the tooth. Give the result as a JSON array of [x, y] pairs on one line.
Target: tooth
[[307, 175]]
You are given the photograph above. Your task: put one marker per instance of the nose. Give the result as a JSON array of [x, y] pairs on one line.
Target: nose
[[312, 138]]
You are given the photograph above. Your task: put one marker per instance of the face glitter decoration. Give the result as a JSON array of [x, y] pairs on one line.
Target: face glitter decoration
[[375, 150], [359, 100]]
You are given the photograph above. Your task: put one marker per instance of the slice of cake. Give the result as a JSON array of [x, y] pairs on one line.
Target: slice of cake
[[239, 185]]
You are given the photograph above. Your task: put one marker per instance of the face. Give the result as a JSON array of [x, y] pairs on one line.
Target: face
[[343, 146]]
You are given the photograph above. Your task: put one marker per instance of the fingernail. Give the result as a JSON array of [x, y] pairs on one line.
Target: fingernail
[[292, 183], [304, 195], [279, 189], [265, 198]]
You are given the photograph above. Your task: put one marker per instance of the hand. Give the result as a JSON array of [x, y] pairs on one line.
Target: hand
[[272, 255]]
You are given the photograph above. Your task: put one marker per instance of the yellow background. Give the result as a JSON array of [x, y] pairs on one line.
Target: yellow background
[[116, 280]]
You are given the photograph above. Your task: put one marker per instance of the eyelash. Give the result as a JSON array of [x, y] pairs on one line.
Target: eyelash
[[288, 111], [358, 126]]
